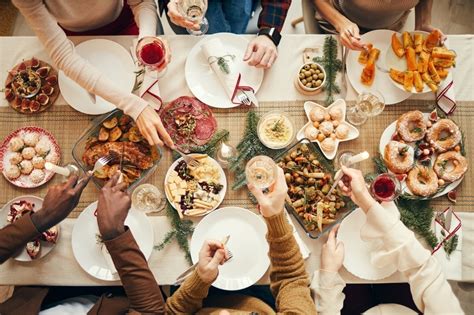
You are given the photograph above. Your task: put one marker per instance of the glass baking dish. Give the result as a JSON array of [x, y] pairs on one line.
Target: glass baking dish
[[328, 167], [80, 147]]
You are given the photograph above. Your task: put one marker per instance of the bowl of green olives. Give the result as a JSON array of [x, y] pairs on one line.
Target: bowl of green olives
[[311, 77]]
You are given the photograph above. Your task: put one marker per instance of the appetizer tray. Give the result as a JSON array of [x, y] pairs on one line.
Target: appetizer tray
[[116, 134], [309, 177]]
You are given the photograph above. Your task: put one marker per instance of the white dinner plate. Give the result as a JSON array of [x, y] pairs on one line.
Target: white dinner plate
[[223, 182], [111, 59], [46, 247], [86, 247], [381, 39], [247, 243], [357, 252], [203, 82], [386, 137]]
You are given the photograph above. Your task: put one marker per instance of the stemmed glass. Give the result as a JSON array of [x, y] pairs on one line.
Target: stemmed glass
[[261, 171], [368, 104], [194, 11], [385, 187], [151, 53]]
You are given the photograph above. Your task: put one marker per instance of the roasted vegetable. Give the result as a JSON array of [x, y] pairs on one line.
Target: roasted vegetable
[[103, 134], [111, 123], [115, 134]]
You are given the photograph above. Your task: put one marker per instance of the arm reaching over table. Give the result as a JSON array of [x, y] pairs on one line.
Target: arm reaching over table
[[58, 203], [62, 52], [137, 279]]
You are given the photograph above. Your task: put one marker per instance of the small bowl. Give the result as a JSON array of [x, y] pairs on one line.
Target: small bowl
[[310, 90], [268, 144]]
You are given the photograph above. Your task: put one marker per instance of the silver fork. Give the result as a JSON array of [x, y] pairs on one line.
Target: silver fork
[[244, 98], [188, 271], [188, 159], [100, 163]]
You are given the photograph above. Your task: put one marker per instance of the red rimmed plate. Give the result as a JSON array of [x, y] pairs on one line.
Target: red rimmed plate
[[24, 181]]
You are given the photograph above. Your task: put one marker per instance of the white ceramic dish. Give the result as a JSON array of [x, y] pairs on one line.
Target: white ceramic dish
[[357, 252], [223, 182], [87, 250], [386, 137], [202, 81], [381, 39], [46, 247], [247, 242], [353, 131], [111, 59]]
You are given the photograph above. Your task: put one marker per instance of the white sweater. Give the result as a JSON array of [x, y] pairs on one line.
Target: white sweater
[[43, 17], [430, 290]]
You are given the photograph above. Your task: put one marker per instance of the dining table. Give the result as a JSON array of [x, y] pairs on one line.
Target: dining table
[[276, 92]]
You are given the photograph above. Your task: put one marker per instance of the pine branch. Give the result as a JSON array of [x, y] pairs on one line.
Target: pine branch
[[451, 245], [332, 66], [211, 147]]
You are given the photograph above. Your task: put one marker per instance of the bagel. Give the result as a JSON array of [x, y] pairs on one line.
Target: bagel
[[399, 157], [411, 126], [422, 181], [444, 135], [450, 166]]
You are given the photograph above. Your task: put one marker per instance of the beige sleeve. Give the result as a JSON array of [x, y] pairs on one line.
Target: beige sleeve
[[326, 289], [146, 16], [188, 298], [63, 55], [393, 242]]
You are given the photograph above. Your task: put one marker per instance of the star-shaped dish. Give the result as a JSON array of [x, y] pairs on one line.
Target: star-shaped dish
[[350, 131]]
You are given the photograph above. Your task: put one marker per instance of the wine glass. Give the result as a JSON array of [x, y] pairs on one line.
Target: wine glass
[[151, 53], [372, 103], [261, 171], [194, 11], [385, 187]]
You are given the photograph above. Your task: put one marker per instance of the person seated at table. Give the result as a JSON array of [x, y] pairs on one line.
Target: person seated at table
[[143, 293], [392, 242], [52, 20], [351, 18], [289, 280], [233, 16]]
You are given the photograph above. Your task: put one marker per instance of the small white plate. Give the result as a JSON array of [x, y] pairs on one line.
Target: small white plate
[[353, 131], [111, 59], [223, 182], [357, 252], [381, 39], [46, 247], [247, 243], [386, 137], [87, 250], [203, 82]]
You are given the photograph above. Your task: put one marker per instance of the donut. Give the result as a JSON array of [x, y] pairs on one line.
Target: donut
[[328, 145], [444, 135], [411, 126], [317, 114], [326, 128], [422, 181], [450, 166], [399, 157]]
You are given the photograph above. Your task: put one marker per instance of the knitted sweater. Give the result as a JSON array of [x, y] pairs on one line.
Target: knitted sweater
[[289, 281]]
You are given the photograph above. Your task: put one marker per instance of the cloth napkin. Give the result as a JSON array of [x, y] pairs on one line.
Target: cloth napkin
[[229, 76], [108, 259], [445, 95], [303, 248], [149, 89]]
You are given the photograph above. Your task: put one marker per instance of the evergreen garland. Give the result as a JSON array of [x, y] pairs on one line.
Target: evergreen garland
[[247, 148], [332, 66]]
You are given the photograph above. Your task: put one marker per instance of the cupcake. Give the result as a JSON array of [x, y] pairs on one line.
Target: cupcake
[[326, 128], [37, 176], [28, 153], [16, 144], [311, 132], [31, 139], [328, 145], [26, 167], [317, 114], [342, 131]]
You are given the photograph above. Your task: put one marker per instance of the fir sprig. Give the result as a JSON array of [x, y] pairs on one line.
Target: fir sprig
[[450, 245], [181, 231], [331, 65], [211, 147]]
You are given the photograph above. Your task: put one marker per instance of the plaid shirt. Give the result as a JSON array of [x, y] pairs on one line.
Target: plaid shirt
[[273, 12]]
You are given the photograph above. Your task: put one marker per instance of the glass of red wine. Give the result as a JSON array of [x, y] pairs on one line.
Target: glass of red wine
[[385, 187], [151, 53]]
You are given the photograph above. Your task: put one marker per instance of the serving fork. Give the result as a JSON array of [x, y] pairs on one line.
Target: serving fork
[[100, 163], [188, 158]]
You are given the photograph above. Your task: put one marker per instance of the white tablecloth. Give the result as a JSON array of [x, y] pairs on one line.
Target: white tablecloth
[[60, 267]]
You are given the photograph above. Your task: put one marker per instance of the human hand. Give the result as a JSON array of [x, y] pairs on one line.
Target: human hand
[[177, 18], [60, 200], [350, 36], [112, 208], [353, 185], [211, 255], [261, 52], [273, 202], [332, 253], [151, 127]]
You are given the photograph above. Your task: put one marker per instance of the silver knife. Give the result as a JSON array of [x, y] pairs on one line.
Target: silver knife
[[251, 97], [447, 219]]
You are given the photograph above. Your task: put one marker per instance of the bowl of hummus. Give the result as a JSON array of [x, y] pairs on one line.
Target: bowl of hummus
[[275, 130]]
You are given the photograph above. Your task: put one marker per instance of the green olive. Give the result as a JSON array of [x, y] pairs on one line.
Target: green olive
[[313, 82], [304, 81], [312, 71], [306, 67], [321, 76], [319, 82], [318, 71], [309, 85], [314, 76], [308, 73], [314, 66], [302, 76], [288, 178]]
